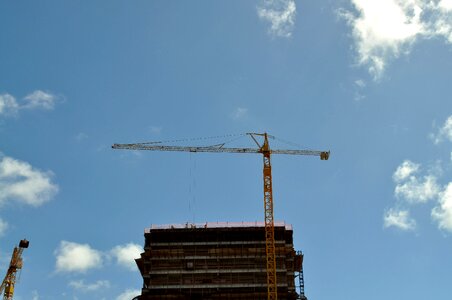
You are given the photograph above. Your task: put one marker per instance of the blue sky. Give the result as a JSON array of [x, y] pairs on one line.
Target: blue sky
[[368, 80]]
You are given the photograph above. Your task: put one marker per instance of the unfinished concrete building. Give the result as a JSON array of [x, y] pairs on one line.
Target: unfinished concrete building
[[217, 261]]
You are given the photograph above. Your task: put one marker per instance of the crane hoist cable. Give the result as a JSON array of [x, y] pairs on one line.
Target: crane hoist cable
[[264, 149], [16, 264]]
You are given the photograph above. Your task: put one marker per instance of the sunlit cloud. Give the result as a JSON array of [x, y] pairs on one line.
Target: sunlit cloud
[[442, 213], [74, 257], [413, 188], [398, 218], [405, 170], [20, 182], [386, 29], [80, 258], [125, 255], [280, 14]]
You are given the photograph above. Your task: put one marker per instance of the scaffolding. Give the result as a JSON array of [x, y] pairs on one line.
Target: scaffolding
[[216, 261]]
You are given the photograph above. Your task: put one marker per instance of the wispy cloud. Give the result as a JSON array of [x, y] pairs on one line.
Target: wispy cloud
[[20, 182], [8, 104], [444, 133], [280, 14], [125, 255], [38, 99], [239, 113], [398, 218], [385, 29], [89, 287], [3, 227], [359, 86], [128, 294], [74, 257]]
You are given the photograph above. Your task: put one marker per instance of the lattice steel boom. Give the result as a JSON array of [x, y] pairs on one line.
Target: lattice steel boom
[[268, 194], [16, 264]]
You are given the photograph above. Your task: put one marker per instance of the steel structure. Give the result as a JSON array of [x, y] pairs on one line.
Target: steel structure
[[16, 264], [264, 149]]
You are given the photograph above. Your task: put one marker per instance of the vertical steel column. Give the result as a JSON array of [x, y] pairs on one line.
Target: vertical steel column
[[269, 224]]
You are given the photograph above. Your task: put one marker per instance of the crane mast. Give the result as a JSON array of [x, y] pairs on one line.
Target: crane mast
[[16, 264], [269, 223], [265, 150]]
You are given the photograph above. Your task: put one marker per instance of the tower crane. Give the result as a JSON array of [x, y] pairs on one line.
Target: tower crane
[[15, 264], [264, 149]]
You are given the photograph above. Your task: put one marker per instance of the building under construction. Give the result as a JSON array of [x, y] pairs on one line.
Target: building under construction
[[217, 261]]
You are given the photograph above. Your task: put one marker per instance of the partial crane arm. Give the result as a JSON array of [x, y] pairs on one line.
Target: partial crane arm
[[15, 264]]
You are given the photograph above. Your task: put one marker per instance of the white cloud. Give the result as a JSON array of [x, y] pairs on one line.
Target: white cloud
[[281, 15], [445, 132], [73, 257], [442, 213], [445, 4], [8, 104], [240, 113], [128, 294], [383, 30], [19, 181], [40, 99], [412, 188], [416, 190], [398, 218], [89, 287], [37, 99], [405, 170], [125, 255], [3, 227]]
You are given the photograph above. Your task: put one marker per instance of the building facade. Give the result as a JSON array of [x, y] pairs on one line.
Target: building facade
[[216, 261]]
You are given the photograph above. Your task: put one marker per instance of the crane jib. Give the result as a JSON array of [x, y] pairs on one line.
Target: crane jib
[[324, 155]]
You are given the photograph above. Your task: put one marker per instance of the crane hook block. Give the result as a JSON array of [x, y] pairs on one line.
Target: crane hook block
[[24, 244], [324, 155]]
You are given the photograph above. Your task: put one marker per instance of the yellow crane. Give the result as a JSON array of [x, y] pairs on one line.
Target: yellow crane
[[15, 265], [264, 149]]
